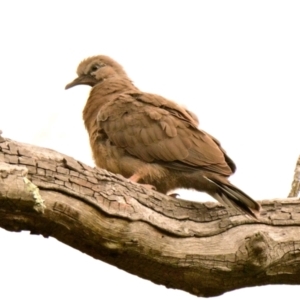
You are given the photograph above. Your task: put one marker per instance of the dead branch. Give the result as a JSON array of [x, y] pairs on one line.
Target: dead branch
[[201, 248]]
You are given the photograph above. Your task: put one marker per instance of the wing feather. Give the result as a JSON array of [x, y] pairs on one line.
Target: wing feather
[[154, 129]]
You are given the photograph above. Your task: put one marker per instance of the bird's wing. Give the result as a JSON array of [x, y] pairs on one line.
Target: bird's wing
[[157, 130], [228, 160]]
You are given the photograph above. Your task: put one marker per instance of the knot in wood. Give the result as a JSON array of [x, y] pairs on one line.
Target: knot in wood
[[257, 246]]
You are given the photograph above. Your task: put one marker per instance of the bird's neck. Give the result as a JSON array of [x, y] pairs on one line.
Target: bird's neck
[[100, 94]]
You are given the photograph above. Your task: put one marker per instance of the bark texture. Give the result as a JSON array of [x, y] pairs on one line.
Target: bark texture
[[201, 248]]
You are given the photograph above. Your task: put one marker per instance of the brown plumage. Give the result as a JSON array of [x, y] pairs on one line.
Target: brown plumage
[[152, 140]]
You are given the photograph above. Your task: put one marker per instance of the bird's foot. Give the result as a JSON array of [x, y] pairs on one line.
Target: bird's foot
[[148, 186], [135, 178]]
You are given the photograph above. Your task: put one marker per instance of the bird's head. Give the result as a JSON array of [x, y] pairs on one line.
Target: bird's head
[[95, 69]]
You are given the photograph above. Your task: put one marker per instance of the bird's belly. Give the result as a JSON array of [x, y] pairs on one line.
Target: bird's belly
[[114, 159], [107, 156], [117, 160]]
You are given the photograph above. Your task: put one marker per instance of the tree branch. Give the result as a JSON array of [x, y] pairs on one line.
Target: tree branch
[[202, 248], [295, 189]]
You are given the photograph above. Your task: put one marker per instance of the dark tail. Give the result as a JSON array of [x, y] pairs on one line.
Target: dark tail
[[231, 196]]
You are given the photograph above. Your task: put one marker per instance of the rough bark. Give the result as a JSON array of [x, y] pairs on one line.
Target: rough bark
[[202, 248]]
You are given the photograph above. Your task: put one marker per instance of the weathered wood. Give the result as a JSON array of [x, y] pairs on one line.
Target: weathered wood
[[202, 248], [295, 189]]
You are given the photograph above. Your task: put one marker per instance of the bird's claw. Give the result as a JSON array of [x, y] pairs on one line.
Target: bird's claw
[[173, 195]]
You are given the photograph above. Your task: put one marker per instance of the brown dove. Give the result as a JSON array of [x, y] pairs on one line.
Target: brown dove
[[152, 140]]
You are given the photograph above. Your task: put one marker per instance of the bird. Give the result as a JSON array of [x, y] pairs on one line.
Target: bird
[[151, 140]]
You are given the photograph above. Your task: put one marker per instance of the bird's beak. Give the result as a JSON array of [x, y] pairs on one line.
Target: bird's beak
[[83, 79]]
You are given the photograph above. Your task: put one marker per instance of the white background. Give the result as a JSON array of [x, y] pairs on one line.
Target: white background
[[236, 64]]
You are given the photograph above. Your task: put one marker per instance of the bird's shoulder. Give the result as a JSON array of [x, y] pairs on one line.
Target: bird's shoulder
[[146, 105]]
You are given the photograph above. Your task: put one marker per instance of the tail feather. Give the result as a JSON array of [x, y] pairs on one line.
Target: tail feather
[[231, 196]]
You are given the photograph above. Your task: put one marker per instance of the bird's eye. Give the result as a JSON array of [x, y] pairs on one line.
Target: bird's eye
[[94, 68]]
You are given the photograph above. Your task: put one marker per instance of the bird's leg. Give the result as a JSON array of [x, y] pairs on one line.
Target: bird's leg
[[135, 178]]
